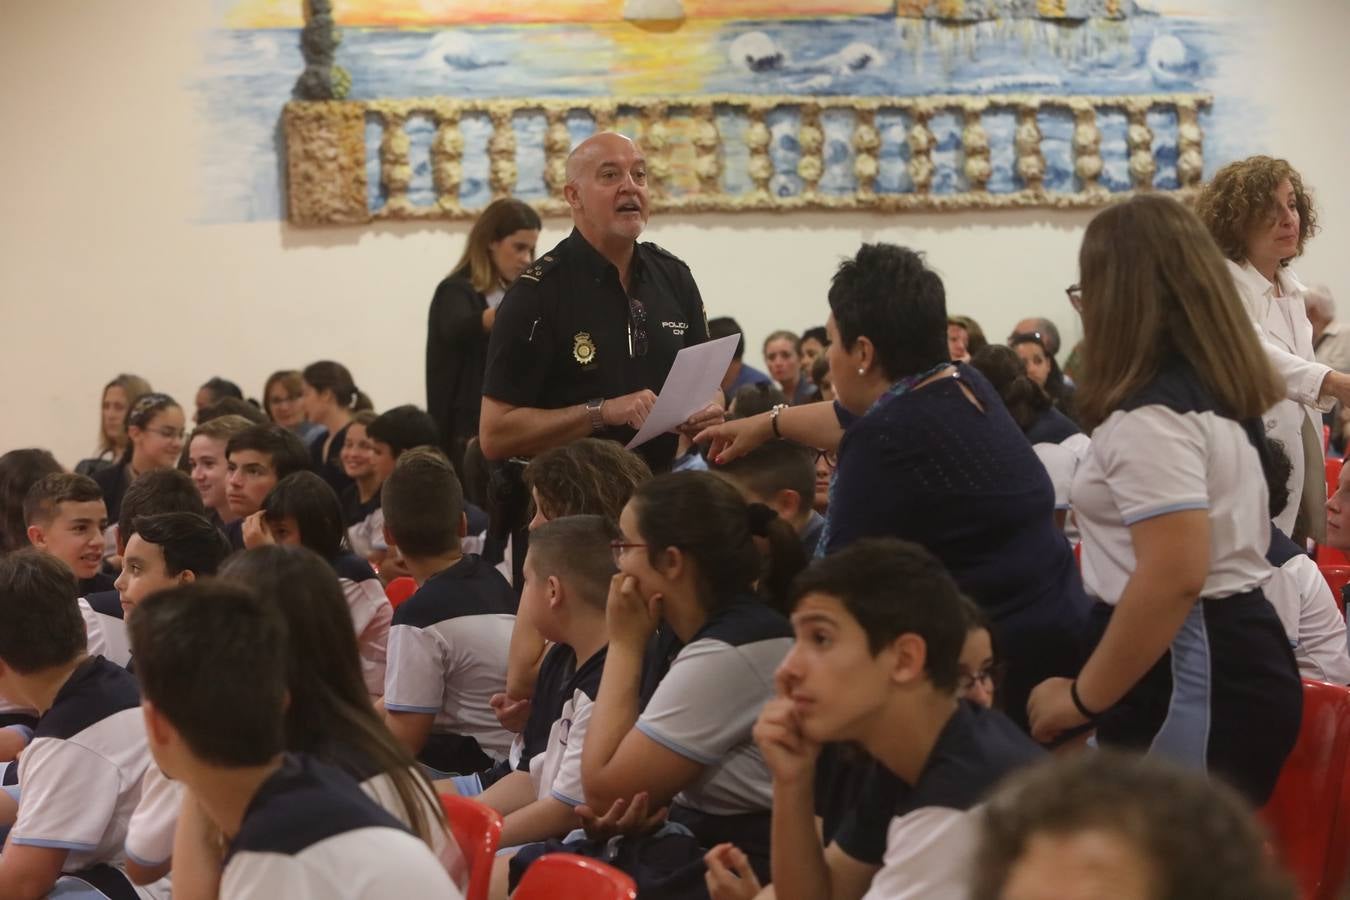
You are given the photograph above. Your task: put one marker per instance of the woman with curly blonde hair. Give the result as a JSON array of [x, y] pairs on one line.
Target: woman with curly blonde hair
[[1262, 216]]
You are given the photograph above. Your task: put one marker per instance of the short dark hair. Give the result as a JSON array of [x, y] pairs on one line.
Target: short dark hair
[[221, 388], [894, 587], [1277, 467], [403, 428], [232, 406], [888, 295], [423, 503], [755, 398], [772, 467], [189, 542], [193, 645], [818, 334], [1196, 834], [315, 506], [157, 491], [50, 491], [576, 550], [19, 471], [40, 622], [726, 326], [589, 476], [282, 446]]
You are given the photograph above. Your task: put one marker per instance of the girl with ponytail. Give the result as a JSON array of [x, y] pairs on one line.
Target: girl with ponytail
[[330, 397]]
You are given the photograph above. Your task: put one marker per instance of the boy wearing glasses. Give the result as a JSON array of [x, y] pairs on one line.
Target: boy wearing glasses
[[880, 627], [448, 642], [782, 476]]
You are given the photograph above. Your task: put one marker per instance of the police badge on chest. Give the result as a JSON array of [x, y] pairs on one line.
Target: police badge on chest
[[583, 348]]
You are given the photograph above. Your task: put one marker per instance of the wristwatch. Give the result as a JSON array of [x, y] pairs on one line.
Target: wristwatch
[[597, 420]]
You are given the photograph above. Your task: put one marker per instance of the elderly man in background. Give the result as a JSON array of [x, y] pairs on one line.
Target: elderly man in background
[[1331, 339]]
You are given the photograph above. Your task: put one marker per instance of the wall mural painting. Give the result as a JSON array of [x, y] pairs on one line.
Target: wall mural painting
[[346, 111]]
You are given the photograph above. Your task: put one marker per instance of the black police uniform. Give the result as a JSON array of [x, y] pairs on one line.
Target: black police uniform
[[565, 335]]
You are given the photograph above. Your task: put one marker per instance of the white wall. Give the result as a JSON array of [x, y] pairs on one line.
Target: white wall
[[101, 272]]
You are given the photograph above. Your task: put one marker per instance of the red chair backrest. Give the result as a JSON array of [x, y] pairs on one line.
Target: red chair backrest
[[1337, 577], [400, 589], [1307, 799], [1333, 474], [477, 830], [566, 876]]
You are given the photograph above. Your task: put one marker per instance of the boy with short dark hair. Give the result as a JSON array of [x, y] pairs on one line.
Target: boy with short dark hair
[[257, 459], [397, 430], [79, 779], [168, 550], [65, 516], [880, 626], [448, 642], [568, 570], [781, 475], [295, 827]]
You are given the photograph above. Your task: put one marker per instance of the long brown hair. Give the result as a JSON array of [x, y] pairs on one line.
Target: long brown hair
[[501, 219], [1156, 286], [135, 387]]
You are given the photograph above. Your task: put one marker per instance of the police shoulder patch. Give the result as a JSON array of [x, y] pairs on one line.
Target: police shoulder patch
[[540, 267]]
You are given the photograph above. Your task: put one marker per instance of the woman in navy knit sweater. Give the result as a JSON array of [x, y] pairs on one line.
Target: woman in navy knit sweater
[[927, 452]]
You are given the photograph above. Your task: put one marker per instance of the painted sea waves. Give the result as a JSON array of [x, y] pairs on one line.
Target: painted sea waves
[[249, 73]]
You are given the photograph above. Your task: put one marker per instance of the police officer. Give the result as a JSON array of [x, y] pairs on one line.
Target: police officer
[[587, 335]]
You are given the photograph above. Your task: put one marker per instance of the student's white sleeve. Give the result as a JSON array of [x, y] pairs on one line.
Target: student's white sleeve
[[707, 703], [1322, 653], [929, 856], [150, 831], [67, 796], [375, 521], [416, 671], [371, 616], [95, 642], [1060, 464], [566, 787], [1154, 461]]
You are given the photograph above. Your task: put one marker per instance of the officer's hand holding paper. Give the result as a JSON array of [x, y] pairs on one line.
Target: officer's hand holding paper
[[695, 376]]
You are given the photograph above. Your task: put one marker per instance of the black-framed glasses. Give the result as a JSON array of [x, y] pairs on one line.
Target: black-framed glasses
[[637, 328], [831, 458], [989, 677], [617, 548], [1075, 294]]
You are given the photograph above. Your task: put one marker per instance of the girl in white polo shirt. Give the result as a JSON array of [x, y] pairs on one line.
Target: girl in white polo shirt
[[1173, 509]]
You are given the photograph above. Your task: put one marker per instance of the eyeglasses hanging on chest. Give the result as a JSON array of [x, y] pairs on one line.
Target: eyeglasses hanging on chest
[[637, 328]]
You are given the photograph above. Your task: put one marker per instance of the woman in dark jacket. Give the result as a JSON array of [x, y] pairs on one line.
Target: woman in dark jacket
[[500, 246]]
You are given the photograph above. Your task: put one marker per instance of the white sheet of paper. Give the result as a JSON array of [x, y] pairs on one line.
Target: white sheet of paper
[[689, 387]]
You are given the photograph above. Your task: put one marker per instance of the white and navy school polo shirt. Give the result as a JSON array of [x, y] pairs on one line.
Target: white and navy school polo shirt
[[371, 616], [104, 626], [1167, 449], [923, 836], [556, 772], [706, 705], [309, 833], [447, 655], [80, 778]]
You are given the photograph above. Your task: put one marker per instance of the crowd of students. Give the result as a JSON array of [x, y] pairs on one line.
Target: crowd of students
[[822, 658]]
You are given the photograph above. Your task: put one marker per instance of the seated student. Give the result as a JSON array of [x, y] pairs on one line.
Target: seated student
[[361, 511], [448, 641], [688, 557], [293, 826], [329, 714], [781, 475], [232, 406], [154, 440], [65, 516], [978, 668], [820, 377], [880, 627], [19, 471], [1298, 591], [206, 463], [568, 571], [754, 399], [80, 778], [256, 460], [159, 491], [390, 434], [738, 374], [1107, 824], [303, 511], [214, 390]]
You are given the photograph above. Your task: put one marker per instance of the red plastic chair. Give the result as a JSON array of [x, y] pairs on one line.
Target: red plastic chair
[[566, 876], [1337, 577], [1307, 799], [478, 831], [400, 589], [1334, 465]]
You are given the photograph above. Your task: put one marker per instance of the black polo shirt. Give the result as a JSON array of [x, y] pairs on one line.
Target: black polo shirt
[[561, 337]]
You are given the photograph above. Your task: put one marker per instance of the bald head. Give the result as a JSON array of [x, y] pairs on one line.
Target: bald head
[[607, 191], [596, 148]]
